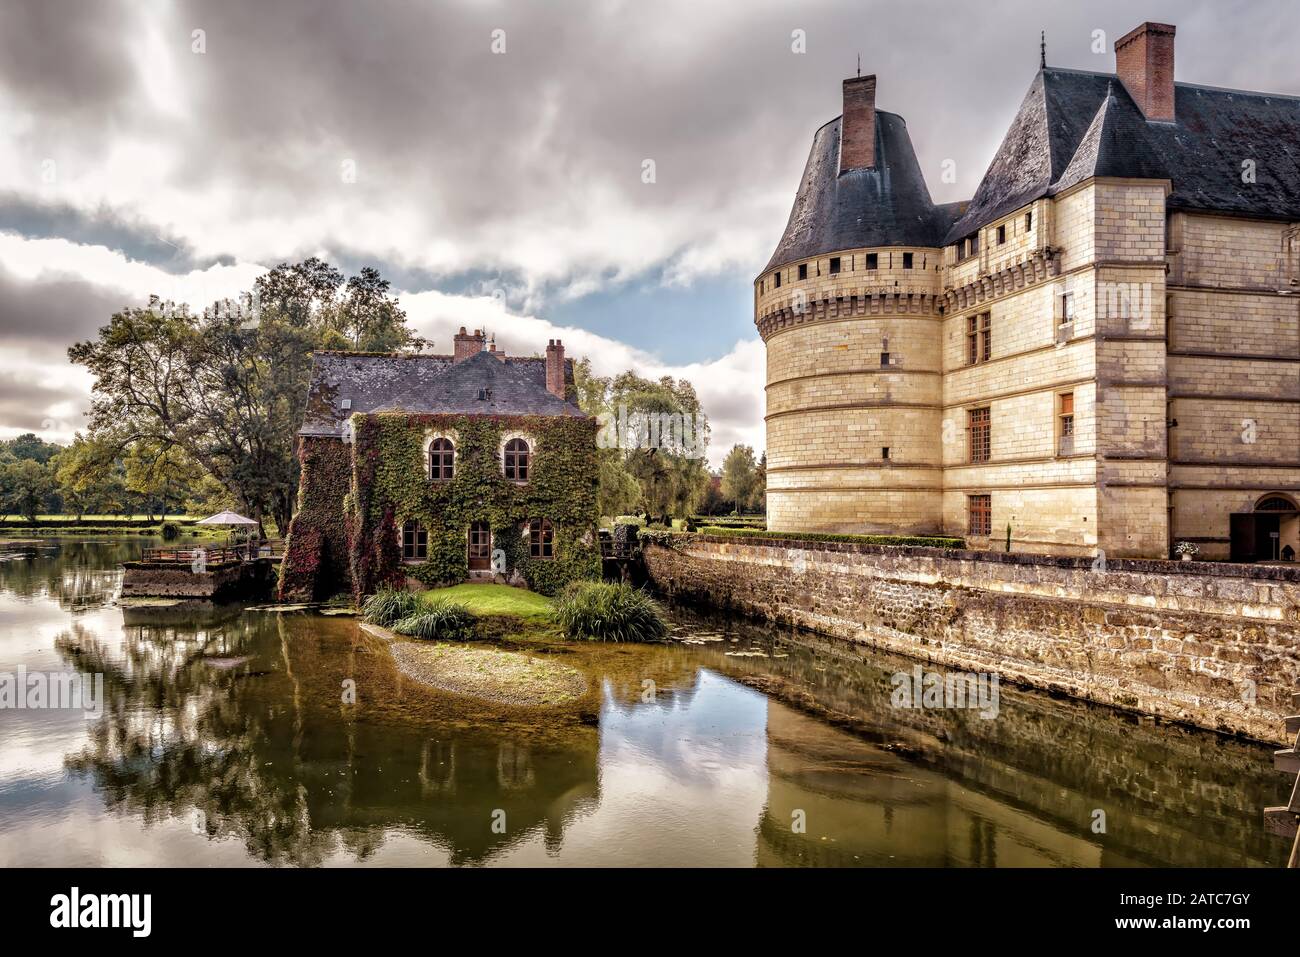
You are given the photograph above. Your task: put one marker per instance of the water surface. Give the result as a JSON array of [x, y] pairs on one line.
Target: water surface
[[225, 740]]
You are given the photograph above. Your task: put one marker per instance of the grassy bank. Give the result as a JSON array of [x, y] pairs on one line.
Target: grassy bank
[[496, 600]]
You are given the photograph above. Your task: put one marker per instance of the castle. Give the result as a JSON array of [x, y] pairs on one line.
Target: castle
[[1099, 353], [435, 469]]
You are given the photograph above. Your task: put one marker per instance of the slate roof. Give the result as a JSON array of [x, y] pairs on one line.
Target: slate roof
[[1073, 125], [429, 384], [888, 205]]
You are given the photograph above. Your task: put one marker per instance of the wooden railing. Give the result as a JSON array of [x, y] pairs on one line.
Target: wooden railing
[[220, 555], [1285, 821]]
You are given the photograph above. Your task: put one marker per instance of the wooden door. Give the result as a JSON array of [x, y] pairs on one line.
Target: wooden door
[[480, 547]]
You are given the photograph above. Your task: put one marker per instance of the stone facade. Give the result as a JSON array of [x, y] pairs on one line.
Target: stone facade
[[1141, 374], [1212, 645]]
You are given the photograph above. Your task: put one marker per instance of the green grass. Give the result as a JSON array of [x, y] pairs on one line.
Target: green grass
[[496, 600]]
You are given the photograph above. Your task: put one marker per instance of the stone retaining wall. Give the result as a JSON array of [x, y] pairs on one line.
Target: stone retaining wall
[[1217, 646]]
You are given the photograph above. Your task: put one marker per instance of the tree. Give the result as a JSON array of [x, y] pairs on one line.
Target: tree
[[226, 389], [24, 486], [740, 477], [30, 446]]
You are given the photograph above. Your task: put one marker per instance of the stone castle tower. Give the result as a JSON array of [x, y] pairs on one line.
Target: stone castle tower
[[1099, 351]]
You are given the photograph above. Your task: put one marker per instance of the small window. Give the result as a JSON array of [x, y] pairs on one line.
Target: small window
[[541, 538], [1029, 220], [776, 280], [415, 542], [977, 432], [979, 338], [975, 244], [835, 265], [803, 270], [442, 460], [884, 452], [907, 260], [873, 260], [1002, 234], [1067, 308], [979, 515], [1065, 425], [516, 460], [884, 359]]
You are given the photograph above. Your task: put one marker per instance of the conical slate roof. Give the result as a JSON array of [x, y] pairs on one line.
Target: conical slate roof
[[887, 205]]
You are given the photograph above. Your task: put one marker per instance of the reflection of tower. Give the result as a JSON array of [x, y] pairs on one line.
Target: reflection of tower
[[438, 767]]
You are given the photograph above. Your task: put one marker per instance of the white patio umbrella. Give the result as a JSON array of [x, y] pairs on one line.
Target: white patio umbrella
[[226, 518]]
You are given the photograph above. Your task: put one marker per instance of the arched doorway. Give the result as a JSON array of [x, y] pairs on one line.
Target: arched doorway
[[1267, 532]]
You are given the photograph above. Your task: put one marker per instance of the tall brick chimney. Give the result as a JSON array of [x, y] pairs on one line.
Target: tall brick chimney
[[467, 346], [555, 367], [858, 128], [1144, 60]]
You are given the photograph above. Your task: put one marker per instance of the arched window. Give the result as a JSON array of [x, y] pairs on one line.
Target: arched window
[[541, 538], [415, 542], [442, 460], [516, 460], [1275, 503]]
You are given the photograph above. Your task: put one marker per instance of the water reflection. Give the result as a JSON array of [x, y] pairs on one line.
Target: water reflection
[[225, 740]]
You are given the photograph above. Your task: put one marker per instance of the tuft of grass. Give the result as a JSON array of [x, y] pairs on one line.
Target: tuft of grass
[[600, 611], [438, 620], [389, 606], [492, 599]]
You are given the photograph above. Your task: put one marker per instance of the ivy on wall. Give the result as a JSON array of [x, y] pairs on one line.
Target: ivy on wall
[[391, 486], [316, 560]]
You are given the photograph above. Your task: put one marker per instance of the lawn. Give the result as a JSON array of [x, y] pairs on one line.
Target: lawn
[[496, 600]]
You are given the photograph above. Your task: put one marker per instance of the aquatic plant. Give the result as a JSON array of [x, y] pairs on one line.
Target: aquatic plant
[[389, 606], [600, 611], [438, 619]]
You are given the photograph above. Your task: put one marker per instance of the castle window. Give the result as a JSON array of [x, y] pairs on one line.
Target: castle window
[[979, 338], [1065, 425], [977, 434], [979, 515], [975, 244], [1067, 308], [1002, 234], [803, 270], [884, 359], [442, 460], [776, 280], [884, 452], [541, 538], [835, 265], [516, 460], [873, 260], [907, 260], [1029, 220], [415, 542]]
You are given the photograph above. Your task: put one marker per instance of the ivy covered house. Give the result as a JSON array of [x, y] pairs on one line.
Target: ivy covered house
[[442, 468]]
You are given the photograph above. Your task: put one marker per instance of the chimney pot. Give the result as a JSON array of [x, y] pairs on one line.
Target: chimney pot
[[467, 346], [858, 124], [555, 368], [1144, 60]]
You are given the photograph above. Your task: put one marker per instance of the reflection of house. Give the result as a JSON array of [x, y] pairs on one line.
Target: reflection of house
[[1099, 350], [440, 467]]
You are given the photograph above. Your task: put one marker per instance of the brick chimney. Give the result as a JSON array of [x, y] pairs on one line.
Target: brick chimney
[[468, 346], [858, 128], [1144, 60], [555, 368]]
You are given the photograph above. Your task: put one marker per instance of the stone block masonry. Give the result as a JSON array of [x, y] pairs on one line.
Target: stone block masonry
[[1210, 645]]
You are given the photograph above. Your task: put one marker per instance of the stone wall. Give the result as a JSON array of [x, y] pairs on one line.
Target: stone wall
[[1217, 646]]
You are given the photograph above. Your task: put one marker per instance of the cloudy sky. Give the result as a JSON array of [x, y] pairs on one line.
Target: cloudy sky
[[495, 178]]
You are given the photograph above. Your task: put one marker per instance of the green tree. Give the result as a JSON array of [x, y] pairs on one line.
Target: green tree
[[740, 477], [24, 486]]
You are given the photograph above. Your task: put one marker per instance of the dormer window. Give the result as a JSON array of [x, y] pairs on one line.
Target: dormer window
[[442, 460], [516, 460]]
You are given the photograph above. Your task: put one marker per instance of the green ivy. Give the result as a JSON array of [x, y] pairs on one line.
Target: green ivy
[[390, 478], [316, 559]]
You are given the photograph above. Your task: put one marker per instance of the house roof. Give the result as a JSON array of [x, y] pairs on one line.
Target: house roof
[[483, 384], [887, 205], [1073, 125]]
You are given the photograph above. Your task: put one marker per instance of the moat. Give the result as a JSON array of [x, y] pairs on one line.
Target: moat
[[225, 740]]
